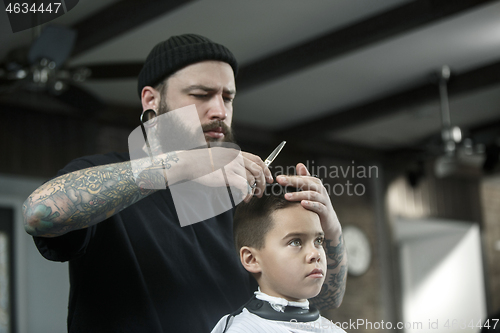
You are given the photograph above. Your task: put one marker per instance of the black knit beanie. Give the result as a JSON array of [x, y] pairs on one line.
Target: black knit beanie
[[177, 52]]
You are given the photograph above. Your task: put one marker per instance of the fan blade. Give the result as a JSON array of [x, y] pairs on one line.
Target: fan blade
[[79, 98], [112, 70], [54, 43]]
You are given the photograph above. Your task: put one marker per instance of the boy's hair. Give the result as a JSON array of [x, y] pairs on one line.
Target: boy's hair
[[252, 220]]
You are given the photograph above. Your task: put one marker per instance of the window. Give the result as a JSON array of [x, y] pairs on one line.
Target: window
[[7, 321]]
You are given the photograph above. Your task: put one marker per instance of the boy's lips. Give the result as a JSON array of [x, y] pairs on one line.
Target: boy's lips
[[316, 273]]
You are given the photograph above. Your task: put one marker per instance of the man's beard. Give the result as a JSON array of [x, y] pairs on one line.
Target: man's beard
[[228, 132]]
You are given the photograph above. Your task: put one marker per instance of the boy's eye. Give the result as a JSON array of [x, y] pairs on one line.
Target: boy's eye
[[320, 241], [199, 96], [295, 242], [228, 99]]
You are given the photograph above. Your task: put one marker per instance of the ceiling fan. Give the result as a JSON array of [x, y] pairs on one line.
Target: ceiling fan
[[41, 69], [459, 154]]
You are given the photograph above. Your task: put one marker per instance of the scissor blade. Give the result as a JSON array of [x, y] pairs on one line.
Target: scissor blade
[[275, 153]]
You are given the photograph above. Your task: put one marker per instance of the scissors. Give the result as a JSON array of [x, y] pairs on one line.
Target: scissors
[[271, 158]]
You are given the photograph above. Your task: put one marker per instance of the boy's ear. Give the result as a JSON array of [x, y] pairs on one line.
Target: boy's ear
[[249, 260]]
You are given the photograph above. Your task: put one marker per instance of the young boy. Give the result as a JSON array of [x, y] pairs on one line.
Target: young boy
[[281, 244]]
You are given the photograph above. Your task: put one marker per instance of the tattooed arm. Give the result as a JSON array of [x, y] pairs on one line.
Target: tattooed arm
[[85, 197], [333, 289]]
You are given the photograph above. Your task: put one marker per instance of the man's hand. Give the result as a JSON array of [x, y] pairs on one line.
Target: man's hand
[[314, 197], [256, 173], [241, 170]]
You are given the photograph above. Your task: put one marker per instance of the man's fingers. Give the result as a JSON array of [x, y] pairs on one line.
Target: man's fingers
[[316, 207], [312, 196], [305, 183], [255, 173], [240, 189], [262, 166], [302, 170], [246, 165], [256, 180]]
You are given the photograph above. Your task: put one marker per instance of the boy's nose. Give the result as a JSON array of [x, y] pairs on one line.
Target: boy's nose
[[314, 256]]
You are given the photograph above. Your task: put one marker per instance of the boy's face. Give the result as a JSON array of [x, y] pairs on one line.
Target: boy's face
[[292, 262]]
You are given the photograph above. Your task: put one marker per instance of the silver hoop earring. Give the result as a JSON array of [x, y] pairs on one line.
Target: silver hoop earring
[[149, 114]]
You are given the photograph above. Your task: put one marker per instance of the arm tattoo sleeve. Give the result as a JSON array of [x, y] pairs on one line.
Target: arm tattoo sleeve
[[85, 197], [334, 253], [332, 291]]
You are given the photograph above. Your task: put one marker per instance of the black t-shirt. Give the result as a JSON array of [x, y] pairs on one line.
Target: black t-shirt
[[139, 271]]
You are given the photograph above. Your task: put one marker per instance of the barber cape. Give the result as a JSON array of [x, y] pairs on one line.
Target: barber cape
[[268, 314]]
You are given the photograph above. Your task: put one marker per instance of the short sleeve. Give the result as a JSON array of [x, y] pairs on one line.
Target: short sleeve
[[66, 247]]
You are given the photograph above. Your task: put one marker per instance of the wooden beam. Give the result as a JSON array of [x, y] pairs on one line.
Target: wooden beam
[[361, 34], [119, 18], [461, 83]]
